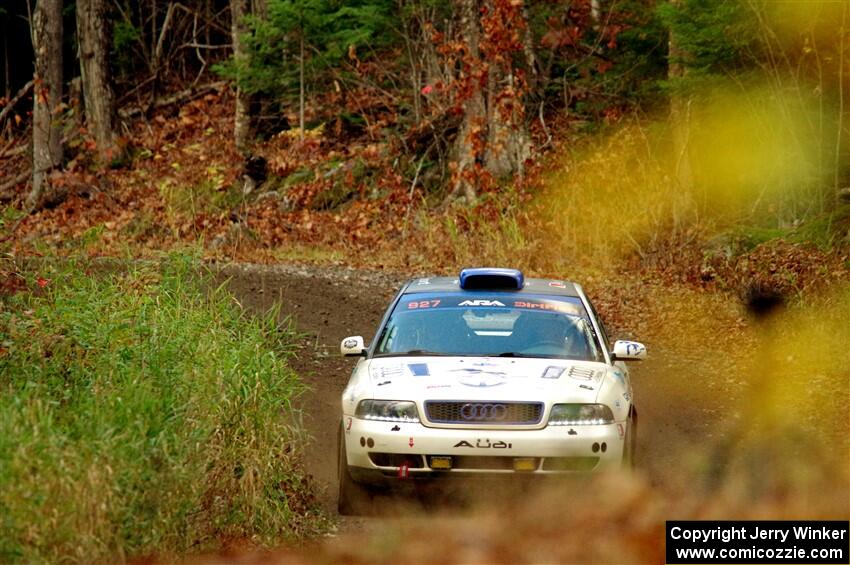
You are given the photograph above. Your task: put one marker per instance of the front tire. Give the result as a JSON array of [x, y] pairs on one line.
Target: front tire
[[354, 498]]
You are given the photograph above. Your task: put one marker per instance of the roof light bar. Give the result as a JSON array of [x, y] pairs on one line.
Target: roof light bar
[[487, 278]]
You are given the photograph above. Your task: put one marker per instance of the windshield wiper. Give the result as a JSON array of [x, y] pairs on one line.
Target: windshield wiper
[[415, 353]]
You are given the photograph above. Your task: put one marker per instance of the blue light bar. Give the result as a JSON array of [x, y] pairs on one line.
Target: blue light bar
[[487, 278]]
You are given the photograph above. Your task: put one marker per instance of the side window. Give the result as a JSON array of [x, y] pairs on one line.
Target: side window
[[605, 341]]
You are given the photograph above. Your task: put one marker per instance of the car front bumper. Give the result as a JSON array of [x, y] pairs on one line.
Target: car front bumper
[[377, 450]]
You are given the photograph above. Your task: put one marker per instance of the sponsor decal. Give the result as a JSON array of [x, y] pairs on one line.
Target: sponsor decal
[[480, 302], [482, 380], [395, 428], [557, 284], [349, 343], [587, 387], [572, 432], [484, 444], [384, 383], [627, 396], [620, 378], [418, 369], [564, 307], [348, 426], [422, 304], [410, 442], [422, 282], [617, 403], [438, 386]]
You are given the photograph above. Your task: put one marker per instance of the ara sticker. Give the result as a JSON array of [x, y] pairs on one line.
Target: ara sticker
[[481, 302]]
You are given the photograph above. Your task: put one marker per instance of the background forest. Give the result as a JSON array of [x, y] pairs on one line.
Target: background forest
[[263, 128]]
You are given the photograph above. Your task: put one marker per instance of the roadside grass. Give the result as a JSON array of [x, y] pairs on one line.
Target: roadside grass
[[142, 413]]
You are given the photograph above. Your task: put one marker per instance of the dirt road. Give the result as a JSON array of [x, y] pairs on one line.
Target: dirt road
[[328, 304], [701, 390]]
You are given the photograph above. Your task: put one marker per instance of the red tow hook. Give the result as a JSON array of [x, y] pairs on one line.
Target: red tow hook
[[404, 471]]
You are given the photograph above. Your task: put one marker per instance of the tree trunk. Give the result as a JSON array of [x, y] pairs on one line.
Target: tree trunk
[[508, 143], [93, 35], [242, 119], [46, 131], [471, 137], [301, 84], [493, 135]]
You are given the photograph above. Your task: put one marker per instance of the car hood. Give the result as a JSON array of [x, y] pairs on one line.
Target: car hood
[[484, 378]]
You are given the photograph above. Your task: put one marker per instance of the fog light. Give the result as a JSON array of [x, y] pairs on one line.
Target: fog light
[[442, 463], [525, 464]]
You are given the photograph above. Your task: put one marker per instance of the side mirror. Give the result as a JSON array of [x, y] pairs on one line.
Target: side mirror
[[352, 346], [628, 350]]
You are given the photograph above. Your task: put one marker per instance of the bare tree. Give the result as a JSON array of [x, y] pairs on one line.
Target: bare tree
[[242, 122], [93, 35], [46, 131]]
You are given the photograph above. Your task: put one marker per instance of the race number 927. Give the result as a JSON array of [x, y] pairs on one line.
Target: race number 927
[[423, 304]]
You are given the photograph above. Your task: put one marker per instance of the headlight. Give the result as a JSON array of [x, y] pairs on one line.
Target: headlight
[[580, 415], [387, 410]]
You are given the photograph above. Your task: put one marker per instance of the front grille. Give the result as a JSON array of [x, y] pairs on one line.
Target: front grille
[[495, 413]]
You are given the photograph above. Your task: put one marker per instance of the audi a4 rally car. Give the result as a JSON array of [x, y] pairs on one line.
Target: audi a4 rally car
[[487, 373]]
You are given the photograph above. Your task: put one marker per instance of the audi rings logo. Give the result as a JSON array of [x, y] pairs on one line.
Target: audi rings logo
[[487, 412]]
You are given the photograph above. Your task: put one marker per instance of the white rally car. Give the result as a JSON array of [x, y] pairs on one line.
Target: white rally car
[[486, 373]]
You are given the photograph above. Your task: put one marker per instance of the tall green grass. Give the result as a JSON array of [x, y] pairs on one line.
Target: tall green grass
[[142, 413]]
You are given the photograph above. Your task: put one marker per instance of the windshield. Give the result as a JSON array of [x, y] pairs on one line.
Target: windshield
[[489, 324]]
